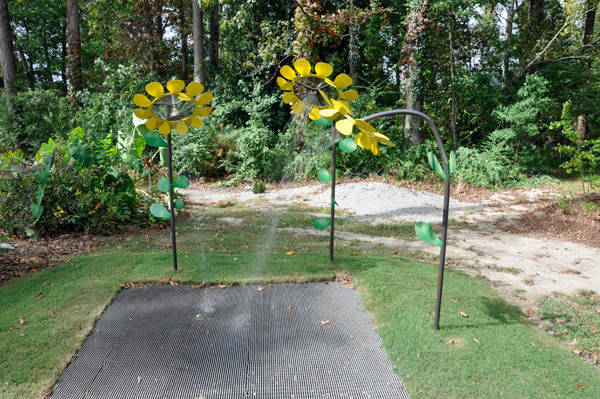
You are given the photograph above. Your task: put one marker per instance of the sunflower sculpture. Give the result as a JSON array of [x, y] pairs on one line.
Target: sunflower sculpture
[[313, 92], [173, 110], [368, 137]]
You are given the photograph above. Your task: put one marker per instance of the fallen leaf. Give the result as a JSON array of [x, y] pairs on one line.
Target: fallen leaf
[[173, 282], [577, 351], [289, 307], [47, 282], [221, 286], [41, 294], [13, 327], [354, 253], [418, 355], [21, 320], [463, 314], [139, 379], [292, 253], [476, 340], [325, 322], [454, 300], [52, 314], [260, 289], [97, 206], [580, 386], [234, 259]]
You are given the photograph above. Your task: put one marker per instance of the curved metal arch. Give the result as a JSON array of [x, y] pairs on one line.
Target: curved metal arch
[[440, 143]]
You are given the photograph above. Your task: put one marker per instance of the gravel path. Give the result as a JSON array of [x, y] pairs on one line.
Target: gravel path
[[364, 200]]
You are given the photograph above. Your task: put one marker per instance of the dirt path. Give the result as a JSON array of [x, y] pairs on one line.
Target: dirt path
[[522, 267]]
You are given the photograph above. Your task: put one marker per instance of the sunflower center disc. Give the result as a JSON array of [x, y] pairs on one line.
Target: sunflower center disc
[[172, 108]]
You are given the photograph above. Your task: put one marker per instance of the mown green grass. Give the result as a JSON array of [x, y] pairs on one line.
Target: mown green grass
[[447, 363]]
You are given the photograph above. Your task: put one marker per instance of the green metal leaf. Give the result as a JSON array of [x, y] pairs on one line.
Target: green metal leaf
[[435, 165], [323, 175], [36, 210], [159, 211], [426, 233], [452, 163], [347, 145], [43, 177], [164, 157], [323, 122], [163, 184], [178, 203], [181, 182], [153, 139], [82, 154], [321, 223]]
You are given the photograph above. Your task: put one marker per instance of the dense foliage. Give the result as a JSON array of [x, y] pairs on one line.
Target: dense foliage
[[493, 75]]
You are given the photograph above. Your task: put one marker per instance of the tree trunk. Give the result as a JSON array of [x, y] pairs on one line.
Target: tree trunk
[[183, 33], [198, 43], [452, 77], [414, 101], [48, 61], [158, 38], [63, 67], [26, 70], [590, 20], [510, 14], [74, 75], [213, 31], [7, 53]]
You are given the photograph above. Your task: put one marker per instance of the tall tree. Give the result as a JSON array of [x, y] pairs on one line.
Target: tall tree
[[590, 20], [198, 43], [213, 31], [183, 37], [508, 35], [7, 52], [74, 73]]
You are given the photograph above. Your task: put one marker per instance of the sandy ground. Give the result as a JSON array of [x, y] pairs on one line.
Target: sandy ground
[[523, 268]]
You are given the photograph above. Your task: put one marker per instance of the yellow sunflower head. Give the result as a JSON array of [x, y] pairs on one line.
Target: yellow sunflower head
[[316, 89], [173, 109], [368, 137]]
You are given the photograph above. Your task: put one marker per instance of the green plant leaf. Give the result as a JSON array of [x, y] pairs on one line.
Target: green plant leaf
[[36, 210], [426, 233], [135, 163], [163, 184], [178, 203], [452, 163], [323, 175], [181, 182], [323, 122], [43, 177], [435, 165], [40, 194], [347, 145], [82, 154], [159, 211], [31, 233], [321, 223], [164, 157], [153, 139]]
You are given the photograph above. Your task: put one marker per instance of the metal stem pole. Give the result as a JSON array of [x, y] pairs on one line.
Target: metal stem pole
[[333, 148], [171, 194]]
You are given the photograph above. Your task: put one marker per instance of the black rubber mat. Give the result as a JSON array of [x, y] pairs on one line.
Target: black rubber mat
[[179, 342]]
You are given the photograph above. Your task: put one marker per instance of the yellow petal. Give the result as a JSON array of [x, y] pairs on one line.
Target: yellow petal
[[303, 67], [153, 123], [350, 95], [323, 69], [175, 86], [143, 113], [290, 96], [194, 121], [298, 108], [340, 106], [287, 72], [203, 112], [382, 139], [155, 89], [342, 80], [205, 98], [345, 127], [165, 128], [345, 104], [364, 126], [363, 140], [194, 89], [327, 100], [181, 128], [281, 82], [288, 86], [314, 114], [329, 113], [375, 148], [184, 97], [141, 100]]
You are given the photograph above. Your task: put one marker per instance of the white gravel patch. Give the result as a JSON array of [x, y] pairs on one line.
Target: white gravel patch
[[365, 200]]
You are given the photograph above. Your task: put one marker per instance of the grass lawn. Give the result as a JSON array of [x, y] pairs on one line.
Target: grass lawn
[[494, 352]]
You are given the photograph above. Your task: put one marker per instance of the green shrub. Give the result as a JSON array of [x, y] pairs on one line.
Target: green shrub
[[487, 166], [38, 116]]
